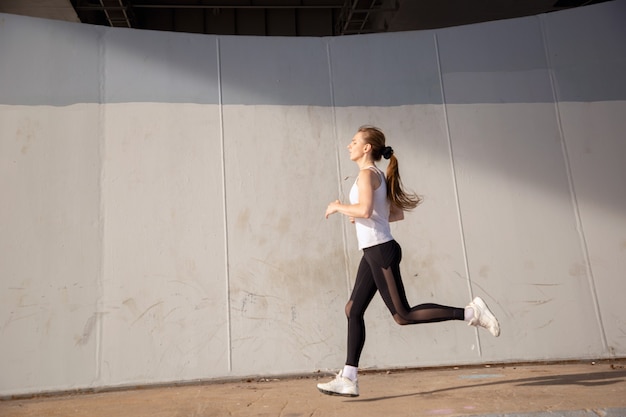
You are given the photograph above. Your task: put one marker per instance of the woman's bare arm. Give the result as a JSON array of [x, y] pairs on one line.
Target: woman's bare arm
[[367, 184]]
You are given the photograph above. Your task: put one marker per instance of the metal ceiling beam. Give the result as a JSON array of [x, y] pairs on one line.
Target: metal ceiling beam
[[116, 12], [353, 20], [232, 6], [202, 6]]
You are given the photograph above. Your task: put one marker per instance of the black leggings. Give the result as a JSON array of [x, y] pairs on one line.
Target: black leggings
[[379, 270]]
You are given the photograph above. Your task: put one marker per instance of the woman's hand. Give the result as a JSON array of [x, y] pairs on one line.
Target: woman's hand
[[332, 208]]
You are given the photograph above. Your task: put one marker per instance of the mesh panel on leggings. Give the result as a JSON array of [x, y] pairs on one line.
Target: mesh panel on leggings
[[395, 299], [379, 270]]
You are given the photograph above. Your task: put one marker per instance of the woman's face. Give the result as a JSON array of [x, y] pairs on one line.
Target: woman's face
[[358, 146]]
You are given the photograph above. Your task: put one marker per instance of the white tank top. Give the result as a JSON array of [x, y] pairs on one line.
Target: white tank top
[[375, 230]]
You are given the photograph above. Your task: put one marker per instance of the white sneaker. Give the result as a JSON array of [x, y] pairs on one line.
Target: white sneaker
[[340, 386], [483, 317]]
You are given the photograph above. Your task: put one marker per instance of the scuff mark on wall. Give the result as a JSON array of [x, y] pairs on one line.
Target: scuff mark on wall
[[146, 311], [87, 330]]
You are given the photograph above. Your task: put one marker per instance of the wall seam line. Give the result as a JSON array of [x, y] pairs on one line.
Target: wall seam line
[[224, 208], [572, 189], [338, 165], [455, 184], [102, 207]]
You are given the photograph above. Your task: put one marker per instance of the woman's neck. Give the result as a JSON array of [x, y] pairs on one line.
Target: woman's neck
[[365, 163]]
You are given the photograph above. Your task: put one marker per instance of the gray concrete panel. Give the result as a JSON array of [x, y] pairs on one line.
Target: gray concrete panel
[[497, 62], [46, 62], [274, 71], [50, 246], [385, 70], [160, 67], [587, 52]]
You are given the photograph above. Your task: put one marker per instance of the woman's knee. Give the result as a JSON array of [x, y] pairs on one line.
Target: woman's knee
[[400, 320]]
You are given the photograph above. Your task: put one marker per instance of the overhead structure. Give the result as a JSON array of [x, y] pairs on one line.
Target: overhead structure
[[305, 17], [117, 13]]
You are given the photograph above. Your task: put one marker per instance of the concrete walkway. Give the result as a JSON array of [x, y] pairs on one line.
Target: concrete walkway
[[538, 390]]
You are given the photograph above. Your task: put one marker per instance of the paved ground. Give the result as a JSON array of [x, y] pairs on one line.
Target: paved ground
[[539, 390]]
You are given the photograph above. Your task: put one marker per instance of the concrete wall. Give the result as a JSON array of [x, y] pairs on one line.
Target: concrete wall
[[163, 196]]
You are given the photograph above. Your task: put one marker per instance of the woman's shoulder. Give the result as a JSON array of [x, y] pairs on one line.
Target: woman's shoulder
[[370, 172], [372, 168], [373, 171], [372, 175]]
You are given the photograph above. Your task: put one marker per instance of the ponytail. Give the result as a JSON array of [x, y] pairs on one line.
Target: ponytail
[[395, 190]]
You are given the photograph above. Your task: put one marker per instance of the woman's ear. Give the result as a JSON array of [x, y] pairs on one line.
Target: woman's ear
[[367, 147]]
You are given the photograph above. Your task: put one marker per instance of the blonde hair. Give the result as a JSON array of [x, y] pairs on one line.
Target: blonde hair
[[395, 189]]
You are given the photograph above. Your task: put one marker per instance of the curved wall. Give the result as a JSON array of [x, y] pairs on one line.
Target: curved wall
[[163, 196]]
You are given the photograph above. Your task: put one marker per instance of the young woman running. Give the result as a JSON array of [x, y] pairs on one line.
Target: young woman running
[[376, 200]]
